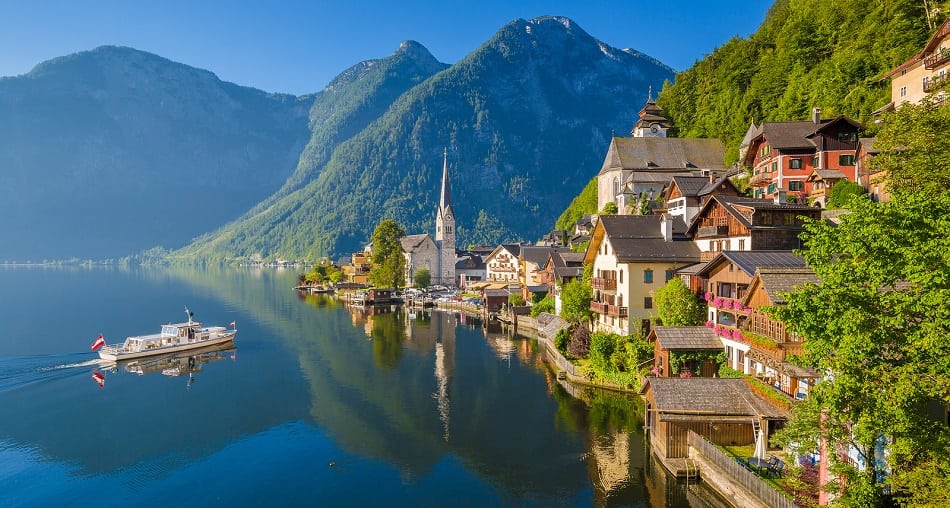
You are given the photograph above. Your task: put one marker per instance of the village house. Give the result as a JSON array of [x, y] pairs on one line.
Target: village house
[[685, 194], [470, 269], [685, 351], [783, 155], [357, 270], [726, 412], [632, 256], [639, 167], [503, 264], [919, 77], [532, 258], [561, 268], [740, 223], [421, 253]]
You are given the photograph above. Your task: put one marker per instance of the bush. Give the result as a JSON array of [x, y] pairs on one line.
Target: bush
[[545, 305], [579, 347], [562, 339], [515, 300]]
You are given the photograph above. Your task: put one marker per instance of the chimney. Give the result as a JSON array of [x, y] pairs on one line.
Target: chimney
[[816, 115], [712, 177], [780, 197], [666, 226]]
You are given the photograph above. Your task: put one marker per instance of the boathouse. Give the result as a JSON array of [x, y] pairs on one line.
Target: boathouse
[[724, 411], [686, 351]]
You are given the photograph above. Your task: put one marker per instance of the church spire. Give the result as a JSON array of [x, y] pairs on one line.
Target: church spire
[[446, 197]]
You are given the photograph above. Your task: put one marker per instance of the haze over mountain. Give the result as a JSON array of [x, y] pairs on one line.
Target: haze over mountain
[[526, 119], [112, 151]]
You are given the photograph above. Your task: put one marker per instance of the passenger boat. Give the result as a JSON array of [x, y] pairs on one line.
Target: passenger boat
[[173, 338]]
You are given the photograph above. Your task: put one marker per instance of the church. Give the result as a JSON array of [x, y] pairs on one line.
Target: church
[[435, 255]]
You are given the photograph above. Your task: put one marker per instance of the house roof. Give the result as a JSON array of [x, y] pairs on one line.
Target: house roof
[[657, 154], [709, 397], [867, 145], [793, 135], [686, 337], [749, 261], [538, 254], [640, 238], [411, 243], [825, 174], [935, 39], [778, 281]]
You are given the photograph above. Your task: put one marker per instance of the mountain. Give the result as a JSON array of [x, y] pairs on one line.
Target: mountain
[[114, 150], [806, 53], [526, 119]]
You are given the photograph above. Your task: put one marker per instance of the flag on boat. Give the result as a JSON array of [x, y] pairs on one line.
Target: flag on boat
[[98, 343], [99, 378], [233, 324]]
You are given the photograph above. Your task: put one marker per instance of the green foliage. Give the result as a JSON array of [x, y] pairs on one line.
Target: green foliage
[[807, 53], [324, 272], [389, 264], [576, 296], [516, 300], [692, 361], [842, 193], [610, 208], [422, 278], [561, 340], [617, 359], [545, 305], [584, 204], [677, 306], [878, 322]]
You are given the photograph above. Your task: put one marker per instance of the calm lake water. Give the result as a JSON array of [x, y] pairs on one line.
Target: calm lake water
[[316, 404]]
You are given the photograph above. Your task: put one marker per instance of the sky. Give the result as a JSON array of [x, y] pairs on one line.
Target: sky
[[299, 46]]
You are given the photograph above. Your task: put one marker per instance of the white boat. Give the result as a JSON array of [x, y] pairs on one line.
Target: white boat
[[173, 337]]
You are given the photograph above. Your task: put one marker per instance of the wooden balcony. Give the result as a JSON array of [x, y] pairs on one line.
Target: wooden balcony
[[712, 231], [603, 284], [937, 59], [598, 307], [605, 308], [761, 180], [932, 83]]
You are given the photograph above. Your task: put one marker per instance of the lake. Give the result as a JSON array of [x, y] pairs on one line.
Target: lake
[[317, 403]]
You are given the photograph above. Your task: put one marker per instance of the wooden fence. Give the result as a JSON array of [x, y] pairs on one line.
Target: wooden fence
[[739, 473]]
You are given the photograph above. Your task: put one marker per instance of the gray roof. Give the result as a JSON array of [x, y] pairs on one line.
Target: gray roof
[[412, 242], [687, 337], [777, 281], [653, 154], [639, 238], [709, 397], [538, 254], [867, 144], [827, 174], [749, 261]]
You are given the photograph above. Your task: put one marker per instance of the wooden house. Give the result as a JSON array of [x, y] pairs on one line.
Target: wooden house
[[685, 194], [724, 411], [738, 223], [678, 350]]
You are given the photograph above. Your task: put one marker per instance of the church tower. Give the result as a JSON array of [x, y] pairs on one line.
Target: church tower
[[652, 123], [445, 229]]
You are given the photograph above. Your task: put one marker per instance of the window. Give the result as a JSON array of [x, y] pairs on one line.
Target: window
[[648, 277], [742, 244], [789, 219], [903, 91], [669, 275], [647, 302], [775, 167], [765, 150], [847, 136], [816, 162], [758, 193], [795, 163], [795, 185], [846, 160], [767, 219], [772, 187]]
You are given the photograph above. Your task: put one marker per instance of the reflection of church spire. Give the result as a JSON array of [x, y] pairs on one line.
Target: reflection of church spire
[[444, 368]]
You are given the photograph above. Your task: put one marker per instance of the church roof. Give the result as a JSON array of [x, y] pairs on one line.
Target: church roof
[[412, 243], [658, 154]]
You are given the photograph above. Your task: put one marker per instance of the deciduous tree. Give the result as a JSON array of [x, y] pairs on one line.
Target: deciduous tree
[[389, 264], [676, 305]]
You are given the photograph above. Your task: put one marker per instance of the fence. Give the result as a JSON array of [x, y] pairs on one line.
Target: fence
[[739, 473]]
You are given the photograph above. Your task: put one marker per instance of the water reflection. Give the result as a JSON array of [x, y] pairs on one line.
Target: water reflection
[[177, 364]]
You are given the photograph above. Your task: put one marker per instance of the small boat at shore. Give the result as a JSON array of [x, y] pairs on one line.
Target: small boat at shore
[[173, 337]]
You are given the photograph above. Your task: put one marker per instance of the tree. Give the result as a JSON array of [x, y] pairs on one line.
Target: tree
[[676, 305], [575, 301], [515, 300], [879, 320], [422, 278], [545, 305], [609, 209], [389, 264], [842, 193]]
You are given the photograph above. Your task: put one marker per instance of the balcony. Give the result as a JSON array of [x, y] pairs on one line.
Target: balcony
[[603, 284], [760, 180], [937, 59], [712, 231], [932, 83], [605, 308], [598, 307]]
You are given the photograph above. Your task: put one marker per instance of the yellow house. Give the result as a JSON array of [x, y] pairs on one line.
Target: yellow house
[[633, 256], [919, 76]]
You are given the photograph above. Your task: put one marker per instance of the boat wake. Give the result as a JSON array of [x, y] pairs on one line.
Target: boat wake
[[19, 371]]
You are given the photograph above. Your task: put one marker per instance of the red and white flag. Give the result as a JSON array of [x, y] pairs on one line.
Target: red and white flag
[[99, 379], [233, 324], [98, 343]]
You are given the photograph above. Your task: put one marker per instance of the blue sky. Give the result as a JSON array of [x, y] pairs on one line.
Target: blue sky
[[299, 46]]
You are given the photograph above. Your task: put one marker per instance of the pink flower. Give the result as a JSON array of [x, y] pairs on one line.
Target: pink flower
[[709, 324], [708, 296], [686, 374]]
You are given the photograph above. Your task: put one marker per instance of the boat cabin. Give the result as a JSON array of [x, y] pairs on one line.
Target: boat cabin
[[171, 334]]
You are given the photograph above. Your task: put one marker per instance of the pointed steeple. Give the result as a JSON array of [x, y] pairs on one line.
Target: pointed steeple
[[445, 199]]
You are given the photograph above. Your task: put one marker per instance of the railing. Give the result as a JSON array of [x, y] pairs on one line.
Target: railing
[[603, 284], [708, 231], [738, 473], [615, 311], [761, 179], [599, 307], [936, 59], [932, 82]]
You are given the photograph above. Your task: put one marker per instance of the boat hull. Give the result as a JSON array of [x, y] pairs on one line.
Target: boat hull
[[117, 353]]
